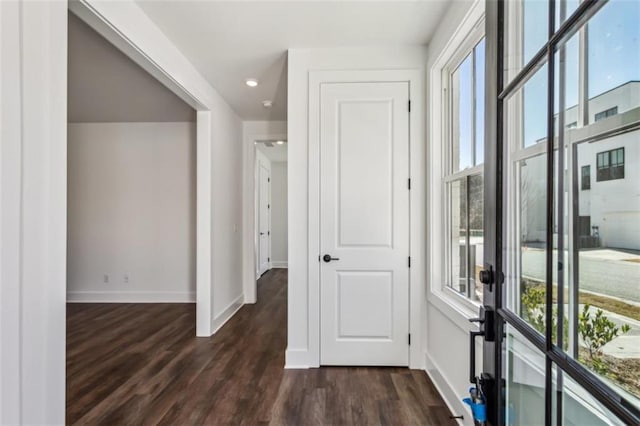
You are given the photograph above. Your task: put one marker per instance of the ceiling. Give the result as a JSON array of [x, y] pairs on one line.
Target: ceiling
[[274, 153], [106, 86], [230, 41]]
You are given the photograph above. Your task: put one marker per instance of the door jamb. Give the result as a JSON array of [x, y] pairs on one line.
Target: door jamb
[[417, 204]]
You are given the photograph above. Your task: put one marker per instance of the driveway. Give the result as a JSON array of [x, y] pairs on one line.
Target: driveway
[[604, 271]]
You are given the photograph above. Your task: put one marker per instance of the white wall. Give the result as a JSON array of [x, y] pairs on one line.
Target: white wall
[[447, 331], [303, 349], [226, 210], [33, 81], [131, 212], [253, 130], [279, 231]]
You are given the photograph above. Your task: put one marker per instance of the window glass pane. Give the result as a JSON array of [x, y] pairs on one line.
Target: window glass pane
[[599, 300], [526, 203], [479, 101], [476, 233], [613, 52], [535, 107], [525, 383], [462, 115], [564, 9], [578, 406], [466, 236], [458, 236], [532, 241], [526, 33]]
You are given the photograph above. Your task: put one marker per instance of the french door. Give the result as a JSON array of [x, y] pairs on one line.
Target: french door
[[561, 314]]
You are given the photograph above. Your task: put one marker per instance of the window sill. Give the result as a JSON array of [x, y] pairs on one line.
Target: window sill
[[455, 307]]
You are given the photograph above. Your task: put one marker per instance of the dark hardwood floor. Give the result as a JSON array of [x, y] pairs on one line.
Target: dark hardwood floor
[[142, 364]]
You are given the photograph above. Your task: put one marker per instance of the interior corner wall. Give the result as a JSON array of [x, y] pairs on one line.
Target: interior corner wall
[[300, 353], [279, 232], [447, 332], [131, 212], [226, 210]]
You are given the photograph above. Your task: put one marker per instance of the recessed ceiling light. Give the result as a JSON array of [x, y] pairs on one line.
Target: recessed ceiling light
[[267, 104], [279, 142], [251, 82]]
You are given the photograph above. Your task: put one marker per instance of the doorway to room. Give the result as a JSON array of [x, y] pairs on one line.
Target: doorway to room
[[271, 236]]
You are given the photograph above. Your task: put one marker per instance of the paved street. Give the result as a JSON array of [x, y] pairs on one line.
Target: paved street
[[603, 271]]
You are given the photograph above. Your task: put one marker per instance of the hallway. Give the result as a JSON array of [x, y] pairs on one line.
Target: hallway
[[141, 364]]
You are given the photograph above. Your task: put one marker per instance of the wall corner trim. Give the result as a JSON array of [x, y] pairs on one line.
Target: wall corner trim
[[448, 394], [131, 297]]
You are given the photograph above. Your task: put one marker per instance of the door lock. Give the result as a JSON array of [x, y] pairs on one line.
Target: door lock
[[487, 277], [327, 258]]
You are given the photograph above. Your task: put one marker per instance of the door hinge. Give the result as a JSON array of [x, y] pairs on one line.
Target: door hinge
[[409, 261], [268, 179], [268, 206], [409, 105], [268, 259], [409, 339], [268, 232], [409, 183]]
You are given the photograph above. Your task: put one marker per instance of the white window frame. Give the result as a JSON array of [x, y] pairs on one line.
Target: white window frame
[[449, 175], [462, 42]]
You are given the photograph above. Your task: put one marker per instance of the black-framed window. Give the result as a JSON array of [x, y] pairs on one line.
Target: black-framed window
[[606, 113], [557, 60], [585, 182], [610, 165]]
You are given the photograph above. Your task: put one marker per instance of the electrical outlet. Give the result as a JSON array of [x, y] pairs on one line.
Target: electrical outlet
[[125, 279], [105, 278]]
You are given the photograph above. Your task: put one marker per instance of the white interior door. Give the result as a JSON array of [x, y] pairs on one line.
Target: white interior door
[[364, 223], [264, 219]]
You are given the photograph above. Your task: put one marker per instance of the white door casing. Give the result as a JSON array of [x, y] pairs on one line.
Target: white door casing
[[264, 217], [364, 222]]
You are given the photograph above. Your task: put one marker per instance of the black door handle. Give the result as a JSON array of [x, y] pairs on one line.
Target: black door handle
[[327, 258], [472, 354]]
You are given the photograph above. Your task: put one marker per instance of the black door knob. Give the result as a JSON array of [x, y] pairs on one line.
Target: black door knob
[[327, 258], [486, 276]]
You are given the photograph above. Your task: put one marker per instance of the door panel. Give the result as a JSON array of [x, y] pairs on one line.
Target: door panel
[[264, 221], [364, 223], [550, 122]]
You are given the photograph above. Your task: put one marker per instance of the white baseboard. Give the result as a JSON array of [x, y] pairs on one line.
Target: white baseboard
[[226, 315], [296, 359], [448, 394], [130, 297], [279, 264]]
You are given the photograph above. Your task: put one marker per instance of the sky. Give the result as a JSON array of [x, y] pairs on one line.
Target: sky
[[613, 58]]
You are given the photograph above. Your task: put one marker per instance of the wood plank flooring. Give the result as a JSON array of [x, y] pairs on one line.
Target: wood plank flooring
[[142, 364]]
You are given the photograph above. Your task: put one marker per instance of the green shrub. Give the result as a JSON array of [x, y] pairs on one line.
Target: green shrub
[[534, 312], [596, 331]]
